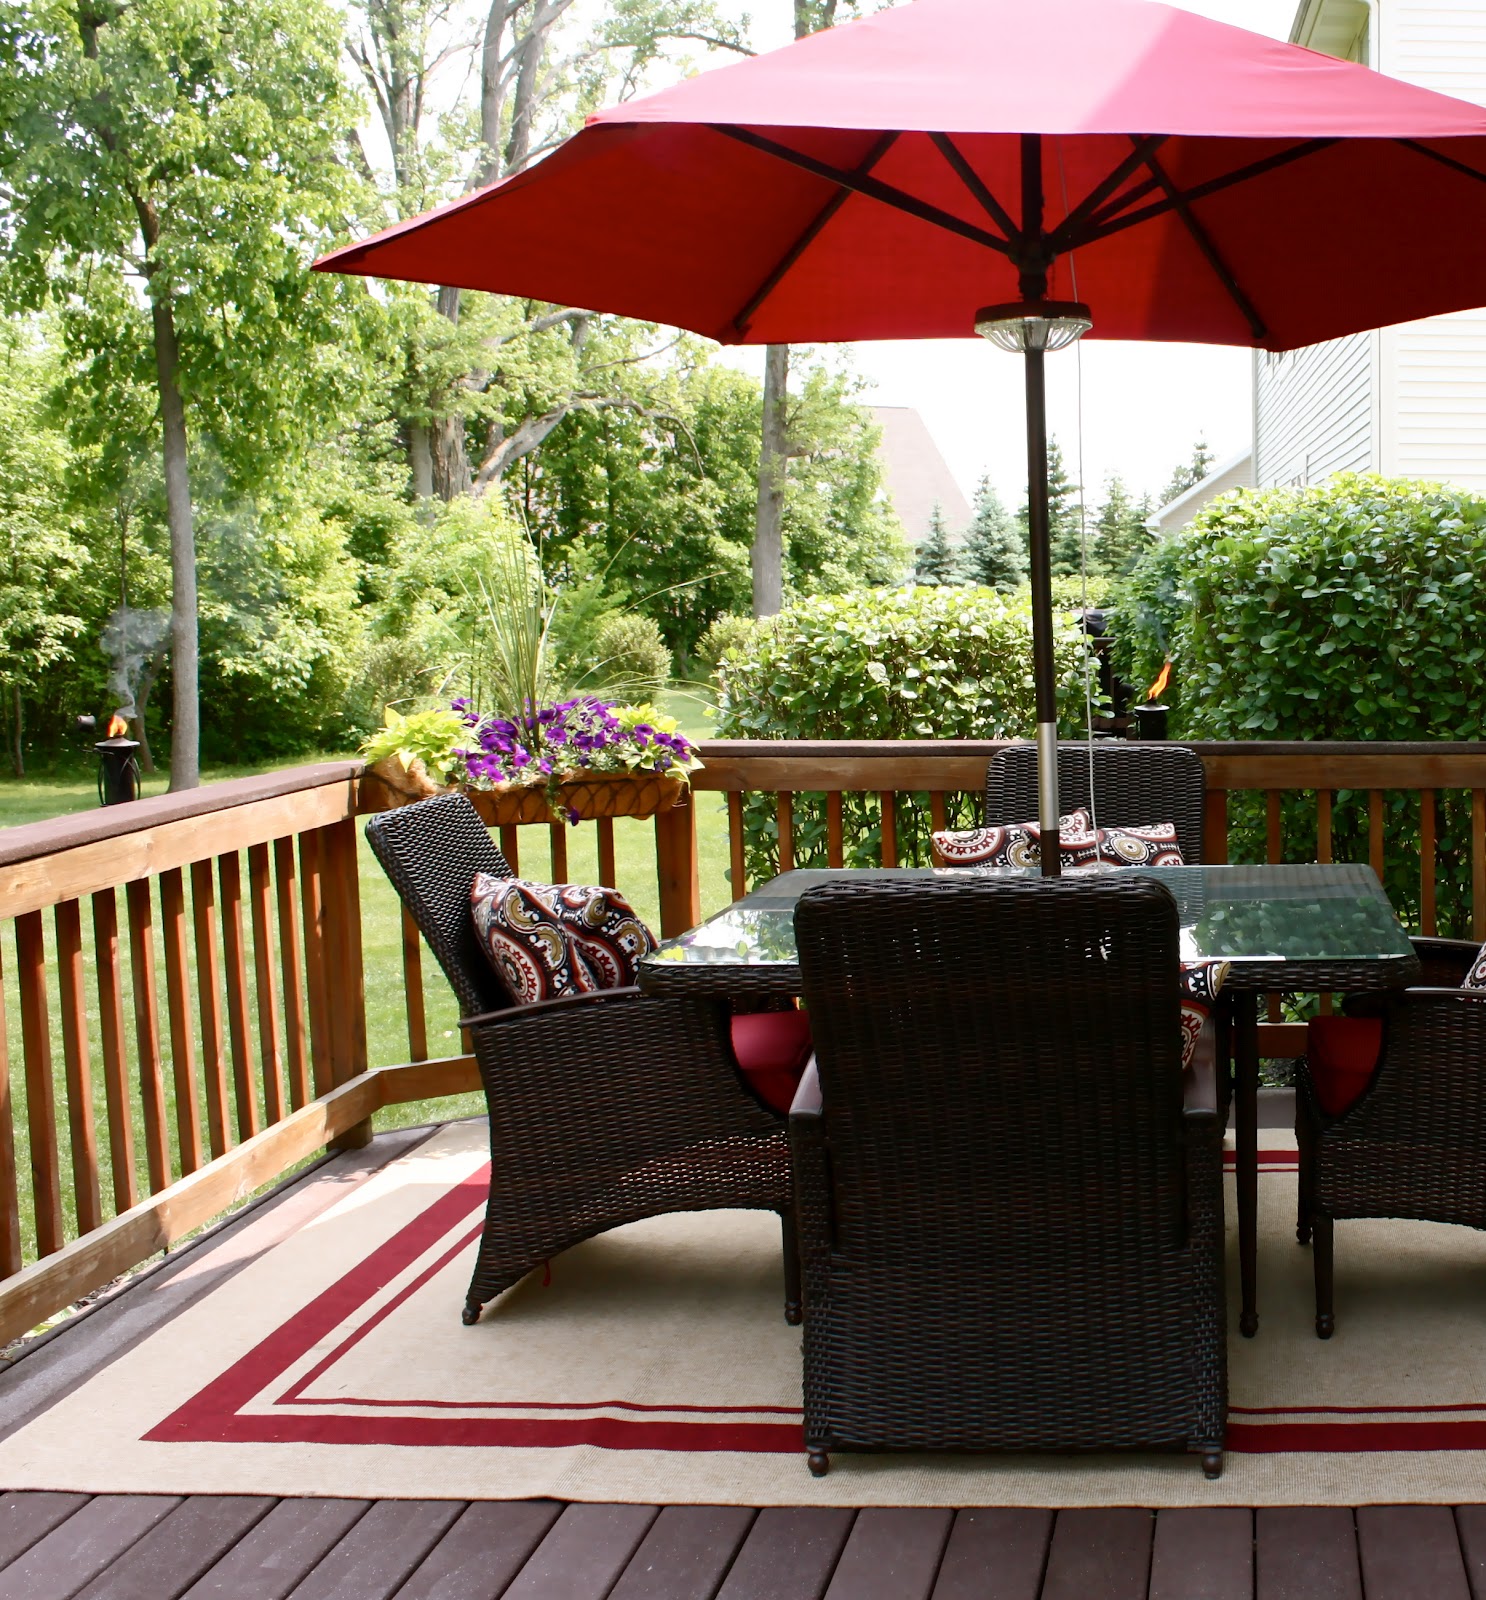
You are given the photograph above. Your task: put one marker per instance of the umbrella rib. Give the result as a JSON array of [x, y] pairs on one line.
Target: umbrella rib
[[1443, 159], [1203, 241], [869, 186], [811, 233], [1200, 191], [974, 183], [1095, 198]]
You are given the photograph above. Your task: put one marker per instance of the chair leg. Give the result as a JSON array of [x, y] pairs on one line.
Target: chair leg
[[471, 1313], [1304, 1167], [819, 1462], [793, 1307], [1322, 1251], [1212, 1463]]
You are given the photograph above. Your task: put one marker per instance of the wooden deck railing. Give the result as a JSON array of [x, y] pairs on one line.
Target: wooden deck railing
[[246, 897]]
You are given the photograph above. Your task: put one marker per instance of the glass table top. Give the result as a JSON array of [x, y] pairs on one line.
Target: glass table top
[[1333, 913]]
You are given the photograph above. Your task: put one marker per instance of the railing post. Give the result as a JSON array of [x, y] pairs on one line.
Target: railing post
[[676, 867], [347, 978]]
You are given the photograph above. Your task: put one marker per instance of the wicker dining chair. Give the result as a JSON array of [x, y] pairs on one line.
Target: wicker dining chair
[[1134, 785], [1009, 1192], [605, 1107], [1401, 1133]]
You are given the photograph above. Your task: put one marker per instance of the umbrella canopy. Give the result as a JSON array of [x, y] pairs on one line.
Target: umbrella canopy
[[890, 178], [866, 183]]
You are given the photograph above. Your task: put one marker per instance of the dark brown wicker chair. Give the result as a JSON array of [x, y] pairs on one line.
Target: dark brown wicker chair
[[1414, 1144], [604, 1108], [1133, 784], [1011, 1220]]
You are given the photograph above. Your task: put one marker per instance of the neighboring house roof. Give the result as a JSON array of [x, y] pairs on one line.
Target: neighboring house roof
[[1237, 472], [916, 475]]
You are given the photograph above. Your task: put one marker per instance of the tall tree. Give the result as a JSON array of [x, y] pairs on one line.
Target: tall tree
[[1121, 527], [935, 561], [1189, 474], [1064, 527], [995, 552], [178, 163]]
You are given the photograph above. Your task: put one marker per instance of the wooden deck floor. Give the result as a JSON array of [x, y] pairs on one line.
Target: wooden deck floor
[[141, 1547]]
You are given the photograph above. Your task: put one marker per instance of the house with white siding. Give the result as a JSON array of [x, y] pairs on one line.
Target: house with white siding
[[1408, 401]]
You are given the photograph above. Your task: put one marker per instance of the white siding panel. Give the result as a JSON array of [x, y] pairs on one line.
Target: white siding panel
[[1313, 412], [1440, 45], [1437, 380]]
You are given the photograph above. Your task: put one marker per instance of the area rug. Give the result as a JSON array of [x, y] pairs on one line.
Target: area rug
[[654, 1365]]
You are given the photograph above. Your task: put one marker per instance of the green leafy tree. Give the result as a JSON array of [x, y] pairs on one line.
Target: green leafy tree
[[169, 169], [1120, 526], [995, 552], [1188, 475], [934, 562]]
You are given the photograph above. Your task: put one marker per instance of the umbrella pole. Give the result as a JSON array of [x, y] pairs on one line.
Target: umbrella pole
[[1042, 611]]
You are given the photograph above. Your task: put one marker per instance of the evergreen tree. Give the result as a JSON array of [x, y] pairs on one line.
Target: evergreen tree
[[1121, 527], [935, 562], [1185, 477], [995, 552], [1062, 516]]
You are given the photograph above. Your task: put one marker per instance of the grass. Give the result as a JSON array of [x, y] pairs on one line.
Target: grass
[[71, 788]]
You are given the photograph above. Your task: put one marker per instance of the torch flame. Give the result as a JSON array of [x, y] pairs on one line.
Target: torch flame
[[117, 726], [1163, 677]]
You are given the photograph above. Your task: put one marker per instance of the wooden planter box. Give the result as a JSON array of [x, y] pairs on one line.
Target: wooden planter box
[[593, 794]]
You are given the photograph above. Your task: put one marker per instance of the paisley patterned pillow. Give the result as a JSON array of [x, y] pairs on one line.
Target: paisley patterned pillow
[[1201, 982], [1476, 977], [548, 940], [1010, 844], [1153, 845]]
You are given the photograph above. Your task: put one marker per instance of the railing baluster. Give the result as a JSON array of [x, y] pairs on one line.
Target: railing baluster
[[1323, 825], [291, 964], [412, 982], [235, 969], [349, 979], [209, 1005], [1478, 863], [41, 1106], [177, 1000], [676, 869], [559, 846], [259, 893], [784, 811], [10, 1193], [84, 1137], [1215, 827], [1427, 922], [1274, 838], [312, 901], [835, 841], [889, 828], [938, 810], [115, 1067], [737, 861], [147, 1030], [607, 870], [510, 846], [1375, 831]]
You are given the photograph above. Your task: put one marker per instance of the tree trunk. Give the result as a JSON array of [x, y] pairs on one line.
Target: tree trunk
[[451, 462], [137, 729], [773, 462], [17, 731], [420, 460], [185, 732]]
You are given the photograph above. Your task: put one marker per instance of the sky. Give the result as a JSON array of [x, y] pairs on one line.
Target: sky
[[1144, 405]]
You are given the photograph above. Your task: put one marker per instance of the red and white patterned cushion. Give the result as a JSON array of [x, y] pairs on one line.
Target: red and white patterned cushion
[[1476, 977], [547, 940], [1009, 844], [1151, 845], [1200, 985]]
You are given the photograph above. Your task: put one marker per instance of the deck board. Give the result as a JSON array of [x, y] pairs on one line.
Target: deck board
[[179, 1548], [685, 1553], [1203, 1553], [279, 1551], [1104, 1552], [583, 1554], [789, 1554], [89, 1542], [1410, 1553], [25, 1518], [1306, 1553], [892, 1553], [380, 1551], [483, 1550], [994, 1554]]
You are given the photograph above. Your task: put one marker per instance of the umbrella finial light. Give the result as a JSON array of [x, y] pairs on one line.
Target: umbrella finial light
[[1022, 325]]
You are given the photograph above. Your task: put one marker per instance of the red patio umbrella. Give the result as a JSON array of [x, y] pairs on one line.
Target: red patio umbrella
[[951, 165]]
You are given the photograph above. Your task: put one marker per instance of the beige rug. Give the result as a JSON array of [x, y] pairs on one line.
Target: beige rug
[[655, 1366]]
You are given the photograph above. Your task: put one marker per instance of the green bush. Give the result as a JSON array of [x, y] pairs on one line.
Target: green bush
[[922, 663], [629, 656], [1352, 611], [727, 632]]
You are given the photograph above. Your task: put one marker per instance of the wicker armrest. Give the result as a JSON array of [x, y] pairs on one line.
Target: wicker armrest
[[540, 1007], [1200, 1079]]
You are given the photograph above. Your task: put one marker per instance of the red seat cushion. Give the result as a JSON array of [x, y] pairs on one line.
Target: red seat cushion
[[772, 1048], [1342, 1053]]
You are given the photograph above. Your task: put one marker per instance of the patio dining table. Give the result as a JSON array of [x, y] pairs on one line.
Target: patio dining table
[[1302, 928]]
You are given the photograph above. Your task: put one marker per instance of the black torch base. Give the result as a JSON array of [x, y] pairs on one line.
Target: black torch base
[[118, 771], [1150, 721]]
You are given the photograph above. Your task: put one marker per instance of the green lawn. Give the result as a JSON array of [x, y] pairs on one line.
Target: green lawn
[[72, 788]]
